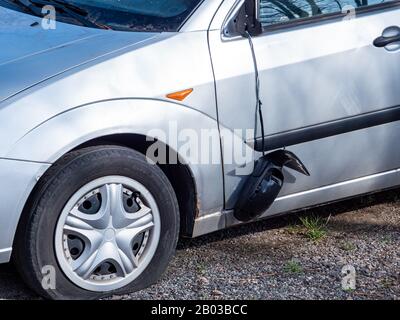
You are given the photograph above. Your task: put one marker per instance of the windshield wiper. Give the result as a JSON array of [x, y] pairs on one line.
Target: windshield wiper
[[26, 6], [77, 13]]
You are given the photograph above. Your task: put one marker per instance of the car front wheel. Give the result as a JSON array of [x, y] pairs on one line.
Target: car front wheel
[[101, 221]]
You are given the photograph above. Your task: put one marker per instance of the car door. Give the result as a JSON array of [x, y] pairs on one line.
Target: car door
[[329, 88]]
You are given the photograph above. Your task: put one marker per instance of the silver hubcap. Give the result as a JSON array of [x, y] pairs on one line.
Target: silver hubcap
[[107, 233]]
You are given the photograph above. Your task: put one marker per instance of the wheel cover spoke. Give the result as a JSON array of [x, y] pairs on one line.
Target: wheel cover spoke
[[125, 237]]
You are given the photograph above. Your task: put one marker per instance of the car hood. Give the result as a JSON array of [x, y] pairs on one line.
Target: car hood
[[31, 54]]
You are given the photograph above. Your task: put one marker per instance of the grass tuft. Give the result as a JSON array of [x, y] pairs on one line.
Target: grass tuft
[[348, 246], [292, 266], [315, 227], [293, 229]]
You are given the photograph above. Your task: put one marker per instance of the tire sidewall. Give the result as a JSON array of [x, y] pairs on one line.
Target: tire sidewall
[[94, 164]]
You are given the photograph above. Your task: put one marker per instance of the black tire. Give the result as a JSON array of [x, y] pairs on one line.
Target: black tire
[[34, 244]]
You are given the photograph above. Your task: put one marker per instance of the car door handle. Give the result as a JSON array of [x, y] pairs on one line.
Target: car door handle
[[384, 41]]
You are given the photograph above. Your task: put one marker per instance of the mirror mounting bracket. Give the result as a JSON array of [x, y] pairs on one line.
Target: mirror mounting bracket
[[244, 21]]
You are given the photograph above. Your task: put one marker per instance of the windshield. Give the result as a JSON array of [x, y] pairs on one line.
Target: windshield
[[133, 15]]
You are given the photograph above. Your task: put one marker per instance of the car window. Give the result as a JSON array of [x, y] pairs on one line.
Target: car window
[[280, 11]]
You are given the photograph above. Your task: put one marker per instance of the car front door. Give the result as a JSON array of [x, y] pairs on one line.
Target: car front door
[[329, 83]]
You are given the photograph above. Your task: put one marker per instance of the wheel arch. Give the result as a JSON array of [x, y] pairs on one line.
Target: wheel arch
[[179, 175]]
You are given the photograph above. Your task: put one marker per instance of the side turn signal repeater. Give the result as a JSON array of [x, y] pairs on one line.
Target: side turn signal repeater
[[180, 95]]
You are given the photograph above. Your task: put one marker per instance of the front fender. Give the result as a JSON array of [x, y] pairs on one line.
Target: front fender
[[47, 142]]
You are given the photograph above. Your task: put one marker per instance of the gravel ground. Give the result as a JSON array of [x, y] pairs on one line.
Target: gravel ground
[[276, 259]]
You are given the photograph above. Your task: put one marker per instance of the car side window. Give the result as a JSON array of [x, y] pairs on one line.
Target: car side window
[[280, 11]]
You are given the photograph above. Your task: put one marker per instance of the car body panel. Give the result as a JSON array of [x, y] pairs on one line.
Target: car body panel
[[46, 53], [17, 179], [23, 36], [126, 116], [348, 74], [122, 74], [304, 81], [303, 200]]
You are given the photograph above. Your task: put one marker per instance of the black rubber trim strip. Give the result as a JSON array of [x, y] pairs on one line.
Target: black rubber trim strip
[[328, 129]]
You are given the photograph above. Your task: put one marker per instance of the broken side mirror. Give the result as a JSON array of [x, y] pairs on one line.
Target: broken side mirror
[[245, 20]]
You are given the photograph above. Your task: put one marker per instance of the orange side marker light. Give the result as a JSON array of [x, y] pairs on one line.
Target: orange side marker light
[[180, 95]]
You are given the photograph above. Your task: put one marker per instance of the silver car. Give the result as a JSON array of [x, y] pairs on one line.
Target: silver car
[[126, 124]]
